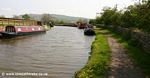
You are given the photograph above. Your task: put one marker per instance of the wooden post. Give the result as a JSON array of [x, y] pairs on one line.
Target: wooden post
[[14, 22], [8, 21], [19, 22], [2, 21], [23, 22]]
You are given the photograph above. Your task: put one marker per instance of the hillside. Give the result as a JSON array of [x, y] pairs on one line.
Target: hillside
[[57, 17]]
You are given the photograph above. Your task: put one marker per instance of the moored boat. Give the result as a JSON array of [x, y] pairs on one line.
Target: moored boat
[[89, 30], [10, 27], [82, 25], [1, 30], [11, 31]]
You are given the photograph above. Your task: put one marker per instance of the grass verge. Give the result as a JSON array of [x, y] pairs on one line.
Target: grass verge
[[98, 63], [139, 57]]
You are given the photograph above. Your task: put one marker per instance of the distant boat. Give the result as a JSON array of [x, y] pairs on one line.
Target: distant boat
[[81, 25], [89, 30]]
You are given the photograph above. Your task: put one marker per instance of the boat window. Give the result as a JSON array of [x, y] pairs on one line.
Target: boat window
[[39, 28], [28, 28], [10, 29], [32, 29], [39, 23], [19, 29]]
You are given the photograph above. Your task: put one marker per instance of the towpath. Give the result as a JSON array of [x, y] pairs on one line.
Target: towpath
[[121, 65]]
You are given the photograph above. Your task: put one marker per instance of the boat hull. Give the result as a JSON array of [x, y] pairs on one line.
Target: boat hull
[[89, 32], [14, 34], [81, 27]]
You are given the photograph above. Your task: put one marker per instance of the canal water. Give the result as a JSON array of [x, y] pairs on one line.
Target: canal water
[[60, 52]]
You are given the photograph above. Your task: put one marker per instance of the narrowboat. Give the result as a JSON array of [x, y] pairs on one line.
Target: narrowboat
[[82, 25], [1, 30], [89, 31], [17, 27], [12, 31]]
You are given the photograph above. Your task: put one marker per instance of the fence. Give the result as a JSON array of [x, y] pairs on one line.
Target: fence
[[16, 22]]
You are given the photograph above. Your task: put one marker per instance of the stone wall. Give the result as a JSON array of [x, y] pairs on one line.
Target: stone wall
[[140, 39]]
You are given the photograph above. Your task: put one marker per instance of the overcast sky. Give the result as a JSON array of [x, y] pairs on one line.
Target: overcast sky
[[80, 8]]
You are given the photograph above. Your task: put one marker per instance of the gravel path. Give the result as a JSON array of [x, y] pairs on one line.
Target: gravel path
[[121, 66]]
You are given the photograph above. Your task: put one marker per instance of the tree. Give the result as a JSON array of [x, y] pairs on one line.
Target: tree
[[134, 16], [61, 22], [26, 17], [92, 21], [46, 18], [15, 16], [2, 16], [109, 16], [80, 21]]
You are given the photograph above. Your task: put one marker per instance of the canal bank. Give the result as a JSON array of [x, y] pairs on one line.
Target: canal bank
[[98, 63], [124, 61]]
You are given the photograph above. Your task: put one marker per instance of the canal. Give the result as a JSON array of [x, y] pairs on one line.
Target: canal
[[60, 52]]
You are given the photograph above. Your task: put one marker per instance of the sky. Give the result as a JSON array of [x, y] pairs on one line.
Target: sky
[[78, 8]]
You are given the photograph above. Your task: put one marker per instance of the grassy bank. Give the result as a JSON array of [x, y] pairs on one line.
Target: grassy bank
[[98, 63], [139, 57]]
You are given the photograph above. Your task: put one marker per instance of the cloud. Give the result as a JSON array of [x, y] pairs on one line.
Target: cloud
[[6, 9]]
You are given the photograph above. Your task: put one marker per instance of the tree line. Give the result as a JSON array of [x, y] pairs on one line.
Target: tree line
[[135, 16], [45, 19]]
